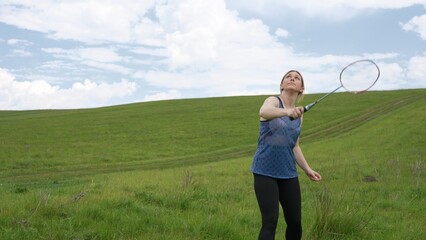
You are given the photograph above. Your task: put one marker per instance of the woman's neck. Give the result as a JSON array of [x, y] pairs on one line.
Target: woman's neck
[[288, 99]]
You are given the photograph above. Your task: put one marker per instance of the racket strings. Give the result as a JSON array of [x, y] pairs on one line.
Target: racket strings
[[359, 76]]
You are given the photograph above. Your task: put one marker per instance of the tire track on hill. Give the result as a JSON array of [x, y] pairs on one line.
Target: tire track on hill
[[318, 133], [344, 125], [56, 174]]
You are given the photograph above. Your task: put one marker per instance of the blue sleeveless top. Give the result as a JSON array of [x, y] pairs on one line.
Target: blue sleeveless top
[[274, 155]]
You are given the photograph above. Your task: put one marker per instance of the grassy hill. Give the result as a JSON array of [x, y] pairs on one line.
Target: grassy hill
[[188, 160], [169, 133]]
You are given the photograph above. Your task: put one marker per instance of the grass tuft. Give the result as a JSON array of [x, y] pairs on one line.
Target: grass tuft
[[335, 220]]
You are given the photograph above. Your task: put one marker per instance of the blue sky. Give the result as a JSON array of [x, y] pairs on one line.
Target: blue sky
[[89, 53]]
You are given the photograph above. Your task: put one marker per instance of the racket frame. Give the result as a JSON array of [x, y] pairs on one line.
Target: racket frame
[[311, 105]]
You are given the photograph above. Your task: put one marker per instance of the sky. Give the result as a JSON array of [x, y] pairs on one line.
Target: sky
[[59, 54]]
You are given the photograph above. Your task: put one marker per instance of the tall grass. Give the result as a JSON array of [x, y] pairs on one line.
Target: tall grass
[[336, 219], [184, 203]]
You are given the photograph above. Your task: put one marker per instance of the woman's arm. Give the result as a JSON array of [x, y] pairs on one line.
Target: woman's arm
[[271, 109], [301, 161]]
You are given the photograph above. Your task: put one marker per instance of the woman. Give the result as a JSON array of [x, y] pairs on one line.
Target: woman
[[274, 164]]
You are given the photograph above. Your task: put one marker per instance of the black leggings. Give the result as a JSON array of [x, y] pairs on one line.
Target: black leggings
[[271, 191]]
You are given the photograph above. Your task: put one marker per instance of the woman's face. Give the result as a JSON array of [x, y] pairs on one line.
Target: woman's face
[[292, 81]]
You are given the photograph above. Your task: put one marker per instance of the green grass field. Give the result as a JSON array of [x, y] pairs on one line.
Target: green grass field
[[181, 169]]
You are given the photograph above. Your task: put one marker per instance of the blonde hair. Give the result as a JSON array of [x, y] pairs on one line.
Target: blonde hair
[[301, 94]]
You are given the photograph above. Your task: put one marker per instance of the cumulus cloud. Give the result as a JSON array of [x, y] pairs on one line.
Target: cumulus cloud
[[416, 24], [95, 54], [82, 20], [210, 49], [392, 75], [406, 75], [20, 53], [170, 94], [199, 47], [331, 10], [19, 42], [416, 68], [281, 33], [19, 47], [102, 58], [39, 94]]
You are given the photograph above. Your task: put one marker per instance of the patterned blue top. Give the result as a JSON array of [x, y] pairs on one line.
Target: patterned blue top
[[274, 156]]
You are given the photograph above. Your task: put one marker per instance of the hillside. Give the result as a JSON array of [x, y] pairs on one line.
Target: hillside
[[181, 170], [164, 134]]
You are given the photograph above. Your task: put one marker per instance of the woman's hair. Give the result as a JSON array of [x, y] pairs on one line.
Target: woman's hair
[[301, 94]]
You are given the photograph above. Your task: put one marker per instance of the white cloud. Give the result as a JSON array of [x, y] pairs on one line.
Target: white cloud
[[149, 33], [332, 10], [199, 47], [82, 20], [20, 53], [158, 52], [99, 54], [281, 33], [20, 47], [170, 94], [101, 58], [397, 76], [381, 56], [209, 49], [20, 42], [416, 24], [39, 94], [417, 70], [392, 76], [93, 54]]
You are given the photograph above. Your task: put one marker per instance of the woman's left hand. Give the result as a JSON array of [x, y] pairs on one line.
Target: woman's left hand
[[314, 176]]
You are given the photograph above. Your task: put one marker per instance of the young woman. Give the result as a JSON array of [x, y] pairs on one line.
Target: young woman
[[274, 164]]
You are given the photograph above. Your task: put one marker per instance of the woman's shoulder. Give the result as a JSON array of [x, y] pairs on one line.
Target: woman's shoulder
[[273, 99]]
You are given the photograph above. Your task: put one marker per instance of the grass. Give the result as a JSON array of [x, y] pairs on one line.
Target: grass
[[333, 220], [180, 170]]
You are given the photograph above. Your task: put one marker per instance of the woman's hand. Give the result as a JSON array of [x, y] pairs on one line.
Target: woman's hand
[[314, 176], [295, 113]]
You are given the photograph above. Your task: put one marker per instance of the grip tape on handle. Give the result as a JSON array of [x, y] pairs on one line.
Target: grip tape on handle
[[306, 108]]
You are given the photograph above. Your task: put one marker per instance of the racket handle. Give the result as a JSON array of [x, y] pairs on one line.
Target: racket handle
[[304, 110], [307, 107]]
